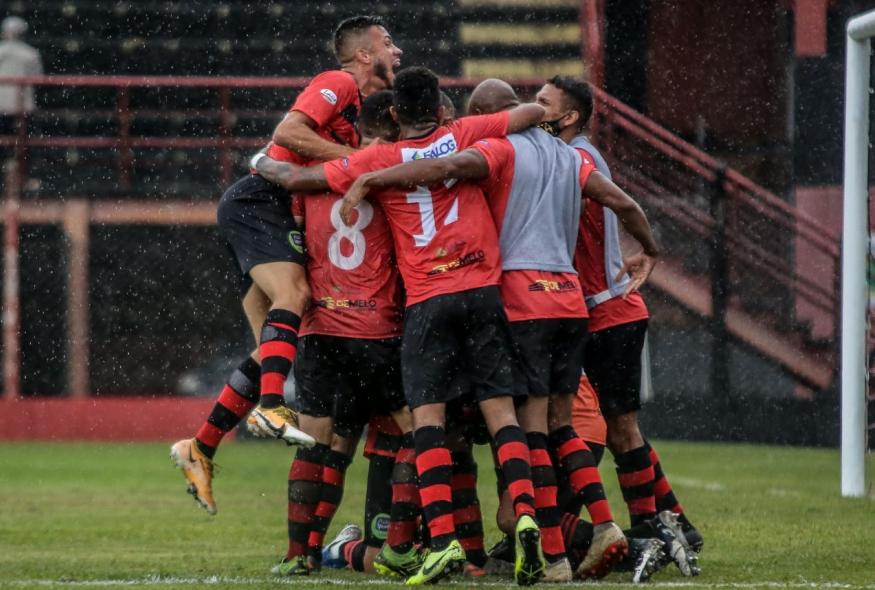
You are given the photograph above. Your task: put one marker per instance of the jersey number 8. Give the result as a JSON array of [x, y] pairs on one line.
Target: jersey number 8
[[352, 234]]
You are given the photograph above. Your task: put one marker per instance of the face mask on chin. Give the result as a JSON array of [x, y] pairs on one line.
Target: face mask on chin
[[552, 127]]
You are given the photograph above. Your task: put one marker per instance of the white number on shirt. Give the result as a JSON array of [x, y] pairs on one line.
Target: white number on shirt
[[352, 234], [423, 199]]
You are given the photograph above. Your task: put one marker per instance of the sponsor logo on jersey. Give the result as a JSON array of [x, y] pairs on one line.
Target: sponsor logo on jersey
[[553, 286], [380, 526], [466, 260], [329, 96], [332, 303], [440, 148]]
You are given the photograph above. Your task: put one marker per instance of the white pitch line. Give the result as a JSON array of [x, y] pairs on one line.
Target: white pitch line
[[709, 486], [221, 580]]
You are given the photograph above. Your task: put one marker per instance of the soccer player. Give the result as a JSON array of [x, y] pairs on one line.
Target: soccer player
[[454, 322], [255, 217], [392, 503], [355, 314], [532, 177], [618, 324]]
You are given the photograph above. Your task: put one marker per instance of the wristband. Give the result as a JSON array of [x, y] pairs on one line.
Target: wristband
[[253, 163]]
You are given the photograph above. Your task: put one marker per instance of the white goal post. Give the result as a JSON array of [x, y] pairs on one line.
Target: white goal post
[[855, 252]]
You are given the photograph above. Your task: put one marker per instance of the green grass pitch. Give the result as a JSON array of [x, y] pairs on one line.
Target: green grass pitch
[[116, 516]]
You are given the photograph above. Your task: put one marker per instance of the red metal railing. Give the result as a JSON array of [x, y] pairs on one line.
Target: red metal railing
[[701, 210]]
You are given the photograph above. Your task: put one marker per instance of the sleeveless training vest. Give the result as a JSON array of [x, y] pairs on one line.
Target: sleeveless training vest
[[613, 254], [540, 225]]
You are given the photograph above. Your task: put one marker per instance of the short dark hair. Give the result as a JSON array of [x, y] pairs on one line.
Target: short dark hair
[[417, 95], [447, 103], [375, 120], [578, 92], [352, 26]]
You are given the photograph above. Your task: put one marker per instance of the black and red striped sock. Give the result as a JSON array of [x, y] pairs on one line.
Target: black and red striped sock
[[237, 398], [577, 535], [512, 451], [579, 465], [434, 466], [333, 473], [546, 509], [467, 517], [406, 504], [665, 498], [278, 347], [635, 474], [354, 554], [305, 487]]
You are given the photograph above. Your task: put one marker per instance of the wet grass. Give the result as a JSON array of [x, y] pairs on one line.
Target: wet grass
[[116, 515]]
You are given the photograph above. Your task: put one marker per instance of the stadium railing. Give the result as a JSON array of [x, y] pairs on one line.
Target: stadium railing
[[771, 270], [736, 253]]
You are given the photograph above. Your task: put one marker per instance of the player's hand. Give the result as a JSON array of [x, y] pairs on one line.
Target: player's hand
[[638, 267], [354, 195]]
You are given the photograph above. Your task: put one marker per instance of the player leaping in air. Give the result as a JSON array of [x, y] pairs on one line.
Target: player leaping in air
[[255, 217]]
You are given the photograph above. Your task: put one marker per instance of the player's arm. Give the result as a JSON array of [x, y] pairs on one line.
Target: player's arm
[[524, 116], [290, 176], [297, 132], [606, 193], [466, 165]]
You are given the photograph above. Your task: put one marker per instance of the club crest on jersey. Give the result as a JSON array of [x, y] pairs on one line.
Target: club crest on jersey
[[444, 146], [296, 241], [329, 96]]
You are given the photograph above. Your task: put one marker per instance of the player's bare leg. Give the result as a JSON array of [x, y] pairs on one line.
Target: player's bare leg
[[285, 285], [255, 307]]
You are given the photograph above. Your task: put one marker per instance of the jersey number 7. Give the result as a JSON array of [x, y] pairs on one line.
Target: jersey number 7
[[423, 199]]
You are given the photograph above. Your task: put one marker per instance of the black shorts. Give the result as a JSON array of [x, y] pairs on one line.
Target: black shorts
[[378, 500], [463, 333], [613, 364], [549, 355], [255, 217], [348, 379]]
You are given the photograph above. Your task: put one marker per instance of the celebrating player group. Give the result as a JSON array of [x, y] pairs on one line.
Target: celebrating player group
[[445, 281]]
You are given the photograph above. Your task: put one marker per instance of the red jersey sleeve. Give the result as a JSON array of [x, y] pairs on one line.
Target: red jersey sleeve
[[327, 95], [587, 166], [469, 130], [499, 155], [341, 173]]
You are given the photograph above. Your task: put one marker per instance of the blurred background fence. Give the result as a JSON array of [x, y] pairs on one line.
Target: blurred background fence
[[124, 287]]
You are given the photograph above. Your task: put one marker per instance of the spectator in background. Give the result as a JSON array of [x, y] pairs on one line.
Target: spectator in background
[[17, 58]]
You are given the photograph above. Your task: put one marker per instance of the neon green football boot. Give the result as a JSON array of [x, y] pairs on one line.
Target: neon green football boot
[[439, 564], [389, 562], [530, 564]]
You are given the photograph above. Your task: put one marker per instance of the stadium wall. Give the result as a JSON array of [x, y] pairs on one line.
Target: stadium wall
[[101, 418]]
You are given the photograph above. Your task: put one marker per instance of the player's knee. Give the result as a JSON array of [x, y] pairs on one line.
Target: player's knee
[[623, 433]]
